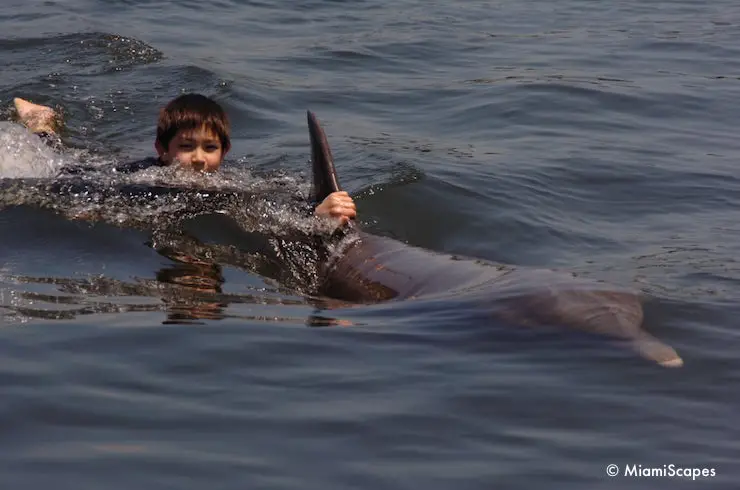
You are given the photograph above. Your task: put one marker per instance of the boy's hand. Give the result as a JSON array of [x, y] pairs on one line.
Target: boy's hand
[[337, 205]]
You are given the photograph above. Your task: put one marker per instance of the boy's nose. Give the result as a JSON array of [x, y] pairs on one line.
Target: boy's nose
[[198, 159], [198, 156]]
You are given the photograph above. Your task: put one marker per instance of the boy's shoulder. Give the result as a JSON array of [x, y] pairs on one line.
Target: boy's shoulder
[[125, 168]]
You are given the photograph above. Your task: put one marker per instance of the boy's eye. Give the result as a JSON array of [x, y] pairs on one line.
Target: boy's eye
[[212, 148]]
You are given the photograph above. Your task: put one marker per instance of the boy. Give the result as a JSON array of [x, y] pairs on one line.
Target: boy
[[193, 131]]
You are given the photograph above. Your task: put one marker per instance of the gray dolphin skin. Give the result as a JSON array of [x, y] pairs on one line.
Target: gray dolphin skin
[[374, 269]]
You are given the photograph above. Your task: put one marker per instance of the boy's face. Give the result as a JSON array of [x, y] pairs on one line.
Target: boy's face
[[198, 149]]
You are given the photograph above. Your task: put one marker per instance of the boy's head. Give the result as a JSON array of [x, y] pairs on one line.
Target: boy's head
[[194, 130]]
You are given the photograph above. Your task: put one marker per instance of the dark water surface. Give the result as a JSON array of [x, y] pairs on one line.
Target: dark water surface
[[598, 137]]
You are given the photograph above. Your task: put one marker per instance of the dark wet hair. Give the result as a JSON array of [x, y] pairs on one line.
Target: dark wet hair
[[192, 111]]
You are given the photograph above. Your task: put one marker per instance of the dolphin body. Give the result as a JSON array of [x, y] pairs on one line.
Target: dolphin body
[[372, 269]]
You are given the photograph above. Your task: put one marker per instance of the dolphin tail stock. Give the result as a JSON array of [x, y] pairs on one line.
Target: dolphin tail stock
[[324, 175]]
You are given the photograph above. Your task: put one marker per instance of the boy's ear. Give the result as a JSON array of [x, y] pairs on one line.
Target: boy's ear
[[161, 150]]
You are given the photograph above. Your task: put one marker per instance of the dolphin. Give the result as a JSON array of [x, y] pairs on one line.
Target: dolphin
[[371, 269]]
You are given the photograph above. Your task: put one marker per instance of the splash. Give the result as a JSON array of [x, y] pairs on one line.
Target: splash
[[24, 155]]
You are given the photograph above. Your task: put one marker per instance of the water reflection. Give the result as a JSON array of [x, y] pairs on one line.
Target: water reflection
[[188, 290], [198, 296]]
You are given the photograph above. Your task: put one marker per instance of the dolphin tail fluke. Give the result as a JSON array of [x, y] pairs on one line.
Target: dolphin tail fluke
[[324, 176], [654, 350]]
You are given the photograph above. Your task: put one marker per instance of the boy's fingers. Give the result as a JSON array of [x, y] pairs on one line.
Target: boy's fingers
[[339, 205], [340, 211]]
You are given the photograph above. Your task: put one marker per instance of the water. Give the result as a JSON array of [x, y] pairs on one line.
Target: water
[[591, 136]]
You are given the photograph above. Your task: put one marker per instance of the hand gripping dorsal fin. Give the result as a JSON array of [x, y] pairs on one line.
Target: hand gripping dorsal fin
[[324, 176]]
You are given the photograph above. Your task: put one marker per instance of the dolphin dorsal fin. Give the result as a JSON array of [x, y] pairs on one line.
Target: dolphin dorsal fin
[[324, 176]]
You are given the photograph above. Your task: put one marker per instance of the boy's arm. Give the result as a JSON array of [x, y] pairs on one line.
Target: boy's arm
[[337, 205], [40, 119]]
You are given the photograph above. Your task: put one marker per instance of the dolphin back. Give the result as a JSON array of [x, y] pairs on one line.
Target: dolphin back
[[324, 176]]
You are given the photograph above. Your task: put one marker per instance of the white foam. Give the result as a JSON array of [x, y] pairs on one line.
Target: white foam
[[25, 155]]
